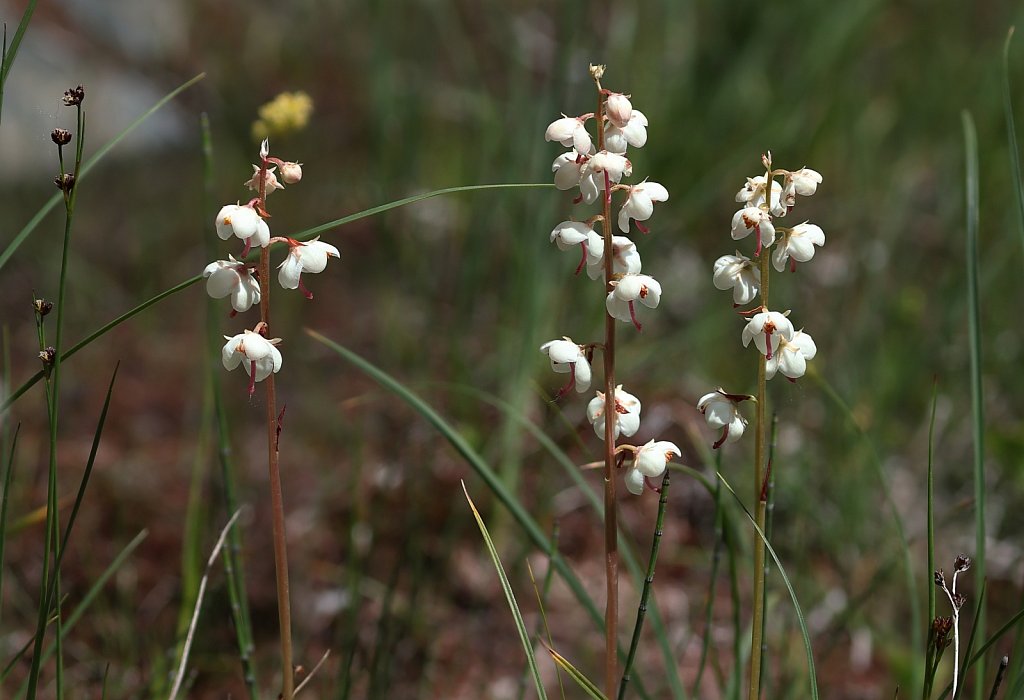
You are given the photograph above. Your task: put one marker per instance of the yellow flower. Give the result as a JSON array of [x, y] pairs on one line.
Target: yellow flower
[[287, 112]]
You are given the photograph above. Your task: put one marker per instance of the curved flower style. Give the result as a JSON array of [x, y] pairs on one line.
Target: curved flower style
[[570, 131], [803, 182], [630, 288], [308, 257], [639, 204], [634, 134], [569, 358], [260, 355], [721, 410], [767, 329], [625, 258], [627, 409], [739, 273], [792, 356], [797, 243], [231, 277], [569, 172], [757, 220], [243, 223]]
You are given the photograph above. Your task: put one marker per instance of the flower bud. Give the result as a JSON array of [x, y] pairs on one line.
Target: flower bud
[[48, 357], [74, 96], [619, 109], [42, 306], [61, 137], [291, 172], [65, 183], [962, 563]]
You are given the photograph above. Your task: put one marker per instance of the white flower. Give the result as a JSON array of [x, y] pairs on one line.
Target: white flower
[[765, 327], [291, 172], [639, 204], [244, 223], [630, 288], [569, 172], [797, 243], [752, 195], [753, 219], [803, 182], [569, 131], [569, 358], [739, 273], [253, 183], [651, 459], [571, 233], [259, 355], [635, 482], [721, 410], [304, 257], [625, 258], [791, 356], [230, 276], [614, 164], [616, 139], [619, 109], [627, 413]]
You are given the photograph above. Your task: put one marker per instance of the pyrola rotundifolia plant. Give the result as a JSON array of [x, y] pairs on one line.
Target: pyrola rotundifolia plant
[[595, 168], [781, 348], [255, 350]]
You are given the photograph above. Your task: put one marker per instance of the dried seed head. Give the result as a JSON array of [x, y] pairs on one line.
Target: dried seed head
[[940, 578], [48, 356], [74, 96], [42, 306], [958, 600], [941, 627], [961, 563], [596, 72], [65, 183], [61, 137]]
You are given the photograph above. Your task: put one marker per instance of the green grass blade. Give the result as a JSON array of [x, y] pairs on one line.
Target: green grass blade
[[588, 686], [8, 480], [812, 676], [974, 337], [10, 52], [930, 523], [87, 166], [709, 603], [506, 587], [1011, 136]]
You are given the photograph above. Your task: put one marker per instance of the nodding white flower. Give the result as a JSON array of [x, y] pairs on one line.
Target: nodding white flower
[[625, 258], [635, 482], [792, 356], [231, 277], [569, 173], [651, 459], [569, 358], [767, 329], [618, 109], [291, 172], [244, 223], [614, 164], [630, 288], [757, 220], [572, 233], [797, 243], [569, 131], [304, 257], [627, 413], [639, 204], [752, 195], [634, 134], [739, 273], [259, 355], [721, 410], [803, 182], [253, 183]]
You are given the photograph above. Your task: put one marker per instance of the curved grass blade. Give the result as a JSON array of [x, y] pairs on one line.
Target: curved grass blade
[[10, 52], [588, 686], [813, 679], [88, 165], [524, 636]]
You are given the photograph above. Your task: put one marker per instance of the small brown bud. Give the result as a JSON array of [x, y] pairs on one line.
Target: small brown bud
[[42, 306], [65, 183], [958, 600], [61, 137], [962, 563], [941, 627], [48, 356], [74, 96], [940, 579]]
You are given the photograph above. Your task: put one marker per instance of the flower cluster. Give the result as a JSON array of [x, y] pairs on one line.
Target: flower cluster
[[763, 200], [237, 279], [596, 167]]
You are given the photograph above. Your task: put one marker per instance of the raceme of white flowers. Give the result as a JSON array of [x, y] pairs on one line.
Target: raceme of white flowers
[[239, 280], [764, 200], [597, 173]]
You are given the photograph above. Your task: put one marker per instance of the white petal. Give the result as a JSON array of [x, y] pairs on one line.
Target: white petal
[[634, 482], [229, 355], [290, 270], [583, 375]]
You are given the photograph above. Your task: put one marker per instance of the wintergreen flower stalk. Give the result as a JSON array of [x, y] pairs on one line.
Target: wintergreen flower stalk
[[595, 166], [781, 348]]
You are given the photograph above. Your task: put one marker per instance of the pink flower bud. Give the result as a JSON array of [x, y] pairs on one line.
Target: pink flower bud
[[291, 172]]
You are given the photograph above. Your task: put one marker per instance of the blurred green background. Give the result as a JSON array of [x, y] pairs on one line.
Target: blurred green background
[[460, 291]]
